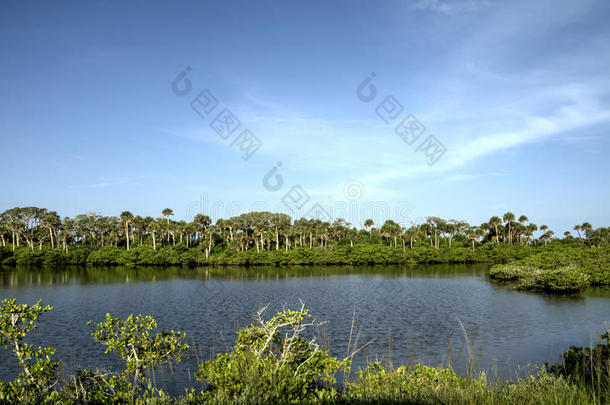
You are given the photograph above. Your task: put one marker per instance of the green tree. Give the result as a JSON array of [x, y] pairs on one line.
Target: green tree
[[165, 214], [509, 218], [495, 222], [577, 228], [131, 339], [368, 224], [16, 321], [126, 218]]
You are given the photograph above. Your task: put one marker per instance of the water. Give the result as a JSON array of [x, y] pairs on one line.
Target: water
[[406, 313]]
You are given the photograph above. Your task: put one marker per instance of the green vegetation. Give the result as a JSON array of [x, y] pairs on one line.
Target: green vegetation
[[39, 372], [276, 361], [37, 236], [561, 269]]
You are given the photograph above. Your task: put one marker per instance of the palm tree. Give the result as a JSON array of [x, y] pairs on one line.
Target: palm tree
[[209, 232], [3, 230], [411, 233], [140, 227], [153, 227], [548, 235], [126, 218], [586, 228], [531, 228], [543, 229], [473, 234], [368, 224], [203, 221], [52, 222], [522, 220], [577, 228], [509, 217], [165, 214], [495, 222], [451, 228]]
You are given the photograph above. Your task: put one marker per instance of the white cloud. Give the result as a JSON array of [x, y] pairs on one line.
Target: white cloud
[[449, 6]]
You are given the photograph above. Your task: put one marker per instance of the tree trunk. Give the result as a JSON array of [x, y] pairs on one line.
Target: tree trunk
[[51, 234], [277, 240], [127, 234], [154, 242]]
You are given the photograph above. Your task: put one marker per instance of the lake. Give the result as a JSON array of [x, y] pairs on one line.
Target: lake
[[407, 313]]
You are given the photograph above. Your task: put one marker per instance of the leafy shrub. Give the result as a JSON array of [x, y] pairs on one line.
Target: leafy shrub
[[510, 272], [562, 279], [5, 252], [106, 255], [39, 373], [271, 362], [28, 257], [131, 340]]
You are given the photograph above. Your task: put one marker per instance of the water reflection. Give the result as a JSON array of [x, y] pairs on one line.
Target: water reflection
[[79, 275]]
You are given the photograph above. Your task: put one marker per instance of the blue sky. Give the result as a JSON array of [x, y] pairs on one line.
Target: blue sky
[[517, 92]]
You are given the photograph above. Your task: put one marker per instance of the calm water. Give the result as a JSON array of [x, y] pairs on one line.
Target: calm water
[[409, 313]]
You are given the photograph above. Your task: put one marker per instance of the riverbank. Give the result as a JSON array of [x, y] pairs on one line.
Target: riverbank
[[355, 254], [556, 267]]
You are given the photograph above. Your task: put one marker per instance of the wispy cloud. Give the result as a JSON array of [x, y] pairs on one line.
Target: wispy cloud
[[108, 182], [449, 6]]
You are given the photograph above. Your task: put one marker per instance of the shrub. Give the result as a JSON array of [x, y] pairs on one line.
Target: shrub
[[272, 362], [131, 340], [106, 255], [39, 372]]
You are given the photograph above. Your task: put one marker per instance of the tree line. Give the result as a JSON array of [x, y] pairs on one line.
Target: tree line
[[264, 231]]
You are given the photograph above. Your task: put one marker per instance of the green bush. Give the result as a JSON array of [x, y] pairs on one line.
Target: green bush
[[107, 255], [558, 269], [271, 362], [566, 279], [5, 252]]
